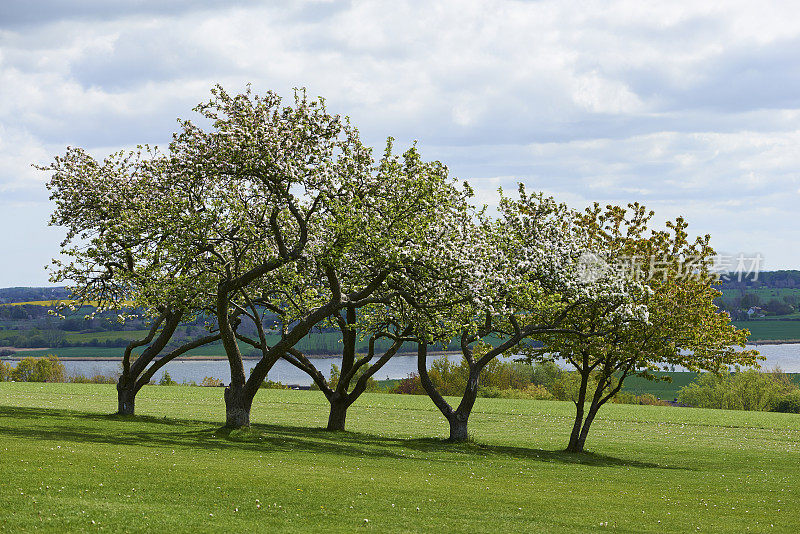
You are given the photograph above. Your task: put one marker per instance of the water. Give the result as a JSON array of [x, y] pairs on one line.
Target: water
[[284, 372], [787, 357]]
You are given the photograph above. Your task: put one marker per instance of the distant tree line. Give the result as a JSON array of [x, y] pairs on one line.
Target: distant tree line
[[32, 294], [738, 305], [761, 279]]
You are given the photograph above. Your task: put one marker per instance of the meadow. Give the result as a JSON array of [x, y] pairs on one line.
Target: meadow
[[764, 293], [314, 343], [771, 330], [67, 465]]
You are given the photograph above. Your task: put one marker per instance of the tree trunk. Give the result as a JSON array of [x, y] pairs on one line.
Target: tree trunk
[[126, 397], [574, 437], [586, 424], [338, 413], [458, 427], [575, 444], [237, 407]]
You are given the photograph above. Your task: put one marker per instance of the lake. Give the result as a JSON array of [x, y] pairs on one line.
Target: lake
[[284, 372], [786, 356]]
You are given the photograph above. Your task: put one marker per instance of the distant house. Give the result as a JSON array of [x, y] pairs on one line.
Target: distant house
[[755, 312]]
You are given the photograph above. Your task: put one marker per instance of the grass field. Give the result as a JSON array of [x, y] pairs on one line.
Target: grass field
[[660, 388], [84, 337], [75, 352], [66, 466], [764, 293], [771, 330], [54, 303], [315, 343]]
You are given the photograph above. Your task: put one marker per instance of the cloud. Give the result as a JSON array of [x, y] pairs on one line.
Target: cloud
[[678, 104], [40, 12]]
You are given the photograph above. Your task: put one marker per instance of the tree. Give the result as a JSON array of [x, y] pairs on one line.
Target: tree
[[508, 279], [749, 300], [255, 194], [377, 239], [5, 371], [779, 307], [117, 255], [661, 313]]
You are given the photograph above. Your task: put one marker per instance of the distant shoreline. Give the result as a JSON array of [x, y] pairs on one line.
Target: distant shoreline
[[774, 342], [20, 354], [212, 358]]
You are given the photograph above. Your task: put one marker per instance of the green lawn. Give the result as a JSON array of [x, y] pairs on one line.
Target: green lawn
[[66, 466]]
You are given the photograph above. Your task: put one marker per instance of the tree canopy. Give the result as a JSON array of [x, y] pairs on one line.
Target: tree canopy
[[262, 209]]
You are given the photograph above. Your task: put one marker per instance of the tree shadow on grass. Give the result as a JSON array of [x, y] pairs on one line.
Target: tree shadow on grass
[[537, 455], [64, 426]]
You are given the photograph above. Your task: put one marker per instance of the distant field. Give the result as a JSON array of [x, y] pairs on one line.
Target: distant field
[[78, 337], [659, 388], [315, 343], [764, 293], [771, 330], [66, 466], [74, 352], [49, 303]]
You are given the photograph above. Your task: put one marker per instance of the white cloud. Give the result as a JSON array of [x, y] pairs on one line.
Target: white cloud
[[680, 104], [17, 151]]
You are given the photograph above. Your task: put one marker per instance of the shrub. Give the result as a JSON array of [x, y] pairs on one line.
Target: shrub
[[789, 403], [748, 390], [545, 373], [210, 381], [5, 372], [448, 377], [95, 379], [47, 369], [166, 380], [566, 386], [644, 399], [411, 385], [651, 400], [531, 391], [504, 375], [451, 379], [537, 392]]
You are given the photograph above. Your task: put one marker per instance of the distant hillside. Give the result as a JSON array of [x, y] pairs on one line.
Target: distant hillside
[[763, 279], [32, 294]]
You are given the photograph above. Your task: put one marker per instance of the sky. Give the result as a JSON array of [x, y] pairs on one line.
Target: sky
[[692, 108]]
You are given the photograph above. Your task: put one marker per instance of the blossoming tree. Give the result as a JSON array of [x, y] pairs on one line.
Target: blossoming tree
[[113, 255], [507, 279], [656, 310]]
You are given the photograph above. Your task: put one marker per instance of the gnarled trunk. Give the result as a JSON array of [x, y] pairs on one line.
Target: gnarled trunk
[[575, 443], [338, 413], [579, 444], [126, 397], [237, 407], [458, 427], [459, 418]]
